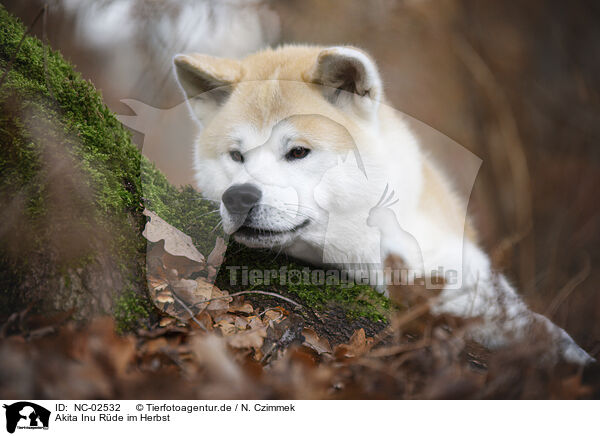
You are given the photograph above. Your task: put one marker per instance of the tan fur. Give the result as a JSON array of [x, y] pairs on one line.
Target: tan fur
[[438, 200]]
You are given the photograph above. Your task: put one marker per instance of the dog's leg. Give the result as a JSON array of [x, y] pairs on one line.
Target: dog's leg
[[505, 318]]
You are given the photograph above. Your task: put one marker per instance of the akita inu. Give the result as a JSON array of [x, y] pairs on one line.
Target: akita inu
[[303, 155]]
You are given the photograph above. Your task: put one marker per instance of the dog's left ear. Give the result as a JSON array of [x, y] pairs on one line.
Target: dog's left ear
[[206, 82], [349, 78]]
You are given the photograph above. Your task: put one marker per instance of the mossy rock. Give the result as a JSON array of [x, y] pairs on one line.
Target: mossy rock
[[73, 188]]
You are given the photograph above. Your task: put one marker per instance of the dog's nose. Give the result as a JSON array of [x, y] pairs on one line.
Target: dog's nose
[[239, 199]]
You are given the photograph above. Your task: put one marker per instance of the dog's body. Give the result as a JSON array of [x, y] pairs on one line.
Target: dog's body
[[298, 146]]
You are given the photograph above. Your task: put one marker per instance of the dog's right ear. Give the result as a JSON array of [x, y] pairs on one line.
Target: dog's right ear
[[349, 79], [206, 82]]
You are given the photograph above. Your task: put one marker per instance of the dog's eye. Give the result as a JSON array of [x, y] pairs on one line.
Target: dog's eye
[[297, 153], [236, 156]]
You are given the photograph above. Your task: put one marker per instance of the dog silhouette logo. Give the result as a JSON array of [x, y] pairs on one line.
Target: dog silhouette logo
[[26, 415]]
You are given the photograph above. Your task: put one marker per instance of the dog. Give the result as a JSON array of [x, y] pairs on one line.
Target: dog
[[303, 155]]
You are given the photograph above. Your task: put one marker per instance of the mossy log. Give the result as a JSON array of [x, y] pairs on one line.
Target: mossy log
[[73, 188]]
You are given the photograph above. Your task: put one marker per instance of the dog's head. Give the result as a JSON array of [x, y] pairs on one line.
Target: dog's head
[[273, 125]]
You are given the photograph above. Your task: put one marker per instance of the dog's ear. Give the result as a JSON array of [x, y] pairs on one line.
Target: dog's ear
[[206, 82], [349, 78]]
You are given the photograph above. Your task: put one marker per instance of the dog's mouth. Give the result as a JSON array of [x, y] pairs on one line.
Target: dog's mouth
[[250, 232]]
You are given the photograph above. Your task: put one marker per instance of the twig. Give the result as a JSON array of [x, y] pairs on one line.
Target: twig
[[398, 349], [569, 287], [42, 331], [271, 294], [10, 321], [188, 310], [411, 315], [151, 334], [14, 56]]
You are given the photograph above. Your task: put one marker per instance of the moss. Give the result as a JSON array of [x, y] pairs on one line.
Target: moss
[[183, 208], [70, 185], [130, 310], [304, 283]]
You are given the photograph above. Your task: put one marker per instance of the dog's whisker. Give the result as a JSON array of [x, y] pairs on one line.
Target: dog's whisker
[[217, 226], [208, 213], [301, 205], [278, 253], [295, 212]]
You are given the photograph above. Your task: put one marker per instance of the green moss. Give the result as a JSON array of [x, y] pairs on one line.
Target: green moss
[[359, 301], [130, 310], [70, 180], [59, 109], [248, 269], [183, 208]]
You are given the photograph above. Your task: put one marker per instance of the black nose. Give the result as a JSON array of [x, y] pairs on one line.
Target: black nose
[[239, 199]]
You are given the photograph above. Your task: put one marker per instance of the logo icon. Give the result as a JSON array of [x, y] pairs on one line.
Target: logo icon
[[26, 415]]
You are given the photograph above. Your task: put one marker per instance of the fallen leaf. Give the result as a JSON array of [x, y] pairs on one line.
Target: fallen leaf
[[154, 345], [255, 322], [194, 293], [357, 346], [227, 317], [179, 251], [164, 297], [226, 327], [312, 340], [243, 308], [166, 321], [241, 322], [216, 256], [219, 300], [272, 315], [248, 338]]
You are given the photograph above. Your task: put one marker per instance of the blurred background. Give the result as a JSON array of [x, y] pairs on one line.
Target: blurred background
[[515, 82]]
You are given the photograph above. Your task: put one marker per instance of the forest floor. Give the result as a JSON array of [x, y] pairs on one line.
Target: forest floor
[[204, 342]]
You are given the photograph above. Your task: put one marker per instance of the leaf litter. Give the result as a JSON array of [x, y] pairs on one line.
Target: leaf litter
[[213, 344]]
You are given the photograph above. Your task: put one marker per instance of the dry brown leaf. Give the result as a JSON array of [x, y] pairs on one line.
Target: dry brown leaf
[[255, 322], [312, 340], [241, 322], [226, 328], [166, 321], [221, 300], [155, 345], [204, 289], [163, 298], [227, 317], [358, 345], [248, 339], [216, 256], [242, 308], [272, 315], [211, 273], [194, 293], [176, 242], [184, 288]]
